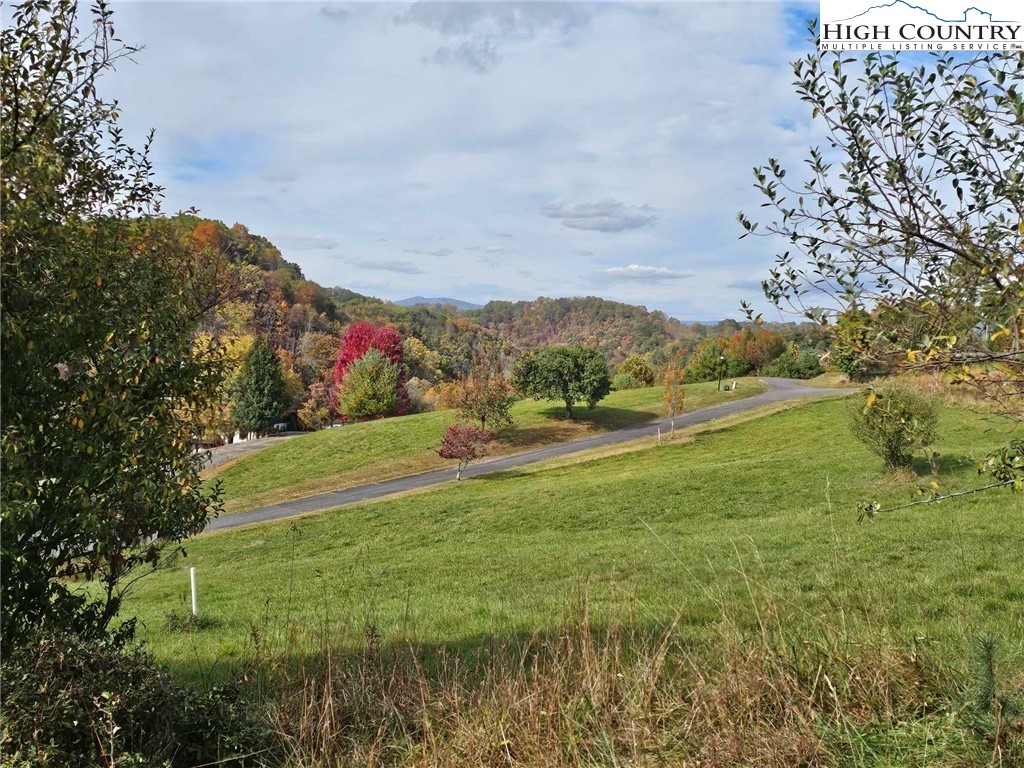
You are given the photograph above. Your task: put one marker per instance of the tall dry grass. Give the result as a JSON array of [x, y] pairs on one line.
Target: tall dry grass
[[612, 695]]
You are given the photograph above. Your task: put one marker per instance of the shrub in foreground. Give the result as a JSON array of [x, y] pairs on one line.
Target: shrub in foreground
[[70, 702], [894, 421]]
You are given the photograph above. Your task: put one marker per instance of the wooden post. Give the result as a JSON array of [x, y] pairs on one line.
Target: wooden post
[[195, 597]]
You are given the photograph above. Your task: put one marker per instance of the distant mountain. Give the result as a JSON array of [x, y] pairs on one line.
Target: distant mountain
[[420, 301]]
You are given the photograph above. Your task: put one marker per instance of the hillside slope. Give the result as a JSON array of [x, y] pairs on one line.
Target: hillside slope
[[371, 451], [751, 518]]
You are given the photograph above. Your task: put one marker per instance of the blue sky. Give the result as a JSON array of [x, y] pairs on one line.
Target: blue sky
[[474, 150]]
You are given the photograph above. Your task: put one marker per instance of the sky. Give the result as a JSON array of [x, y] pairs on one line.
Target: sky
[[478, 150]]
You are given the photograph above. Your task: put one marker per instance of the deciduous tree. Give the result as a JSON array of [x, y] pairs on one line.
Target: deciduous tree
[[569, 374], [913, 211], [639, 369], [315, 413], [675, 394], [465, 443], [706, 363], [485, 396], [103, 387], [362, 336], [762, 348], [358, 339]]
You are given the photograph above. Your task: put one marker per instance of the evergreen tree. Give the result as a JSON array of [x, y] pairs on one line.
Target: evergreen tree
[[371, 386], [260, 396]]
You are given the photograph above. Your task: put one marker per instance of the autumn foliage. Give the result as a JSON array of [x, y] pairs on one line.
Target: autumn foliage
[[362, 336], [358, 339], [464, 442]]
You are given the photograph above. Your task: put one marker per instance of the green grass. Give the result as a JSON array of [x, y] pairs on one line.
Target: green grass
[[333, 459], [747, 521]]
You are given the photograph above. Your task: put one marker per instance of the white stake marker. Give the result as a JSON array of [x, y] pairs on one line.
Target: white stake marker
[[195, 597]]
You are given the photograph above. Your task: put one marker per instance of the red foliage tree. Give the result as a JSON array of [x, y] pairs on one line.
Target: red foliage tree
[[464, 442], [362, 336]]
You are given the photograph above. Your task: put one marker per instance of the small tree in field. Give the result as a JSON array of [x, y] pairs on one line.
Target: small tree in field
[[674, 393], [464, 442], [484, 396], [894, 422]]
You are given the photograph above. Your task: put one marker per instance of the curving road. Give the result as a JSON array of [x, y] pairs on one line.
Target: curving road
[[779, 391]]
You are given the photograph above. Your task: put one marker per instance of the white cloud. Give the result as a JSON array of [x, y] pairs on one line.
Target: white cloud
[[642, 273], [304, 243], [387, 265], [438, 253], [650, 110], [601, 216]]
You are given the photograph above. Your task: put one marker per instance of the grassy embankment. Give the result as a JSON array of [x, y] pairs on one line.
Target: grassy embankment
[[333, 459], [673, 532], [711, 600]]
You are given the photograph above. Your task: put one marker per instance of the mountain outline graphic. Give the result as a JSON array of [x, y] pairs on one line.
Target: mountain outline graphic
[[933, 15]]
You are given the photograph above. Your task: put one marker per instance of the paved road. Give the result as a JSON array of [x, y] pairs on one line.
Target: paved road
[[225, 453], [779, 390]]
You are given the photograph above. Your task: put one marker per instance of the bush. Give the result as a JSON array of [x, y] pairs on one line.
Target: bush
[[639, 369], [893, 422], [802, 364], [626, 381], [71, 702], [370, 388]]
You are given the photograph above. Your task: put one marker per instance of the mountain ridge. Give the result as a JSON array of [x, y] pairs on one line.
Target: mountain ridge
[[444, 301]]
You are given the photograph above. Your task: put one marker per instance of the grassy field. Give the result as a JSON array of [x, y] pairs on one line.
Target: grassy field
[[333, 459], [740, 522]]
